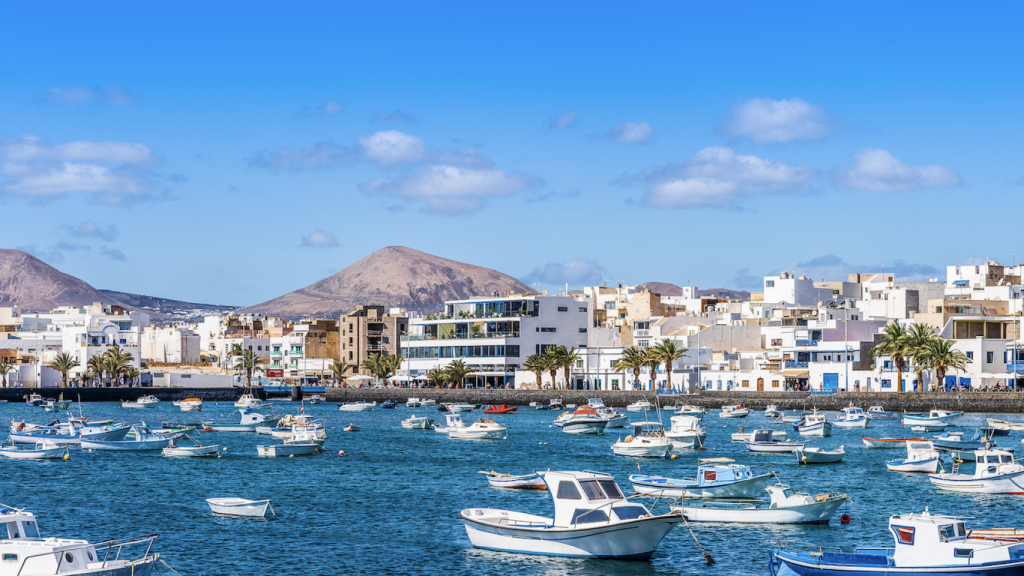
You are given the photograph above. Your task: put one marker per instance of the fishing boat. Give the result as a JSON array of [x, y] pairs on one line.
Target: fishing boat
[[44, 449], [556, 404], [924, 544], [451, 422], [175, 428], [879, 413], [933, 417], [70, 433], [189, 404], [288, 450], [1005, 425], [315, 399], [716, 478], [503, 409], [612, 418], [389, 404], [784, 506], [888, 442], [413, 403], [248, 422], [357, 406], [814, 424], [647, 441], [428, 402], [528, 481], [817, 455], [247, 400], [417, 423], [35, 400], [921, 457], [733, 412], [686, 432], [772, 411], [852, 417], [742, 436], [240, 507], [584, 420], [482, 429], [149, 401], [949, 441], [196, 449], [995, 472], [591, 519], [640, 406], [309, 435], [928, 428], [141, 438], [690, 410], [762, 442]]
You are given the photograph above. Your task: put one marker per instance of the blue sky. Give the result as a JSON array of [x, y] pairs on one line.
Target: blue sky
[[230, 153]]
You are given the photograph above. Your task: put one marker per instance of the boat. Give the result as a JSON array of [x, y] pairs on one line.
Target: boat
[[921, 457], [35, 400], [570, 407], [142, 438], [27, 552], [357, 406], [742, 436], [539, 406], [879, 412], [647, 441], [50, 406], [814, 424], [1006, 425], [315, 399], [451, 422], [457, 407], [561, 419], [584, 420], [612, 418], [716, 478], [247, 400], [556, 404], [690, 410], [429, 402], [175, 428], [784, 506], [793, 419], [286, 427], [143, 402], [852, 417], [196, 449], [417, 423], [928, 428], [389, 404], [592, 519], [482, 429], [817, 455], [413, 403], [733, 412], [503, 409], [43, 449], [240, 507], [640, 406], [888, 442], [762, 442], [772, 411], [288, 449], [189, 404], [995, 472], [351, 428], [248, 422], [933, 417], [686, 432], [528, 481], [924, 544], [949, 441], [70, 433]]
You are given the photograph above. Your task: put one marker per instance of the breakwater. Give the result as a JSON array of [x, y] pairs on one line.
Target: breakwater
[[119, 394]]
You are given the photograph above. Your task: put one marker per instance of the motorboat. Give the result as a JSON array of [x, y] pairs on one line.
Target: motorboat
[[189, 404], [818, 455], [27, 552], [716, 478], [42, 450], [413, 403], [288, 449], [762, 442], [315, 399], [784, 506], [240, 507], [503, 409], [417, 423], [528, 481], [539, 406], [814, 424], [949, 442], [50, 405], [248, 422], [428, 402], [35, 400], [928, 428], [570, 407], [772, 411], [612, 418], [887, 442], [175, 428], [686, 432], [289, 425], [933, 417], [924, 544], [351, 428], [142, 438], [196, 449], [1006, 425], [561, 419], [308, 435], [690, 410], [742, 436], [70, 433], [793, 419], [733, 412], [389, 404], [357, 406], [247, 400], [591, 519], [458, 407], [647, 440], [995, 472], [451, 422], [482, 429], [921, 457], [640, 406], [556, 404], [143, 402], [879, 412], [851, 417], [584, 420]]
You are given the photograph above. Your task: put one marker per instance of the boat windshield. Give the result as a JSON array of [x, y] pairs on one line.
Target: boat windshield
[[601, 489], [629, 512]]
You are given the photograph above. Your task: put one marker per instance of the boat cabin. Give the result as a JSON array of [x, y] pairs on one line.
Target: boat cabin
[[990, 463], [877, 410], [853, 413], [924, 540], [595, 403], [782, 496], [23, 547], [762, 435], [454, 421], [589, 497], [684, 423], [721, 471], [648, 430]]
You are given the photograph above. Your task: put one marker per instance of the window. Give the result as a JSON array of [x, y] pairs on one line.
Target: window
[[609, 305], [563, 308], [611, 490], [587, 516], [988, 357], [886, 383], [970, 355], [946, 532], [583, 308], [904, 534], [567, 491], [10, 557], [30, 530], [629, 512], [769, 283], [854, 317], [775, 383], [776, 341], [592, 490], [583, 330], [746, 384], [547, 329], [260, 348]]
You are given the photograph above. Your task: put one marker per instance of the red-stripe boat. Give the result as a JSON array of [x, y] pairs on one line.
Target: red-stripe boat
[[503, 409]]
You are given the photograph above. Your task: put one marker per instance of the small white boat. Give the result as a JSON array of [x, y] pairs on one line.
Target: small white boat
[[592, 519], [690, 410], [743, 436], [357, 406], [584, 420], [288, 449], [351, 428], [995, 472], [762, 442], [879, 412], [141, 438], [736, 411], [772, 411], [240, 507], [792, 419], [248, 422], [928, 428], [307, 435], [41, 451], [784, 507], [612, 417], [417, 423], [933, 417], [816, 455], [482, 429], [143, 402], [888, 442], [459, 407], [640, 406], [921, 457], [315, 399], [451, 422], [528, 481], [196, 449], [247, 400], [413, 403], [686, 432], [716, 478], [189, 404], [647, 441], [852, 417], [429, 402], [1006, 425], [814, 424]]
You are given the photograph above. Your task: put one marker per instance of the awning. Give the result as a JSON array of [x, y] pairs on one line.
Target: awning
[[960, 282], [796, 373]]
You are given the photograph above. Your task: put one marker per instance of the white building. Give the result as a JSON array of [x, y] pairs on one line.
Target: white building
[[171, 345]]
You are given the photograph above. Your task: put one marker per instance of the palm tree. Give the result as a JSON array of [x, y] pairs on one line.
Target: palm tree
[[373, 365], [116, 360], [893, 345], [633, 358], [390, 365], [131, 374], [668, 351], [248, 363], [435, 377], [97, 366], [551, 365], [338, 368], [64, 363], [457, 372], [566, 359], [5, 367], [942, 357], [918, 341], [536, 363]]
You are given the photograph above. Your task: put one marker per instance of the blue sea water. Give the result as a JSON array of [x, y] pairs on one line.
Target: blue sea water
[[390, 505]]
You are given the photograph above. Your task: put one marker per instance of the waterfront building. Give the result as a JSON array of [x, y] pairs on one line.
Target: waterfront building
[[369, 330]]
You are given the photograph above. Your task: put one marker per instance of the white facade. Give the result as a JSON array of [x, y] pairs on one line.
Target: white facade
[[170, 345]]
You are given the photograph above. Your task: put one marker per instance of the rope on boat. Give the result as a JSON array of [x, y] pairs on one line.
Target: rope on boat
[[162, 561], [850, 500], [703, 551]]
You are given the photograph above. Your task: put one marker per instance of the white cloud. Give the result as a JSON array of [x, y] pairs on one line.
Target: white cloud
[[109, 95], [320, 239], [452, 189], [767, 121], [574, 272], [631, 133], [716, 176], [878, 170], [90, 229], [564, 120], [389, 147]]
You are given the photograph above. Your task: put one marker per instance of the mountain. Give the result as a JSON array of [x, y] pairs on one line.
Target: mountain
[[663, 288], [395, 276], [36, 286], [165, 310], [666, 289]]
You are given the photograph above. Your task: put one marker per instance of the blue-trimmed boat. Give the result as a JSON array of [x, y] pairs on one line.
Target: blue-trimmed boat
[[389, 404], [924, 544]]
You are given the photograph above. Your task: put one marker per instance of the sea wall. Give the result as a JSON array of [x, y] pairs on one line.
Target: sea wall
[[119, 394]]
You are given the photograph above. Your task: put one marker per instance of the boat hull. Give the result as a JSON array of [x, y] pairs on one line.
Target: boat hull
[[585, 427], [916, 420], [745, 488], [816, 513], [686, 439], [1005, 484], [238, 507], [807, 457], [417, 424], [127, 445], [45, 454], [526, 481], [820, 429], [186, 451], [642, 451], [466, 434], [287, 450], [860, 564], [929, 466], [888, 442], [775, 447]]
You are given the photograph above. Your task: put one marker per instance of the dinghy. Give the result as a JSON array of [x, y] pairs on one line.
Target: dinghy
[[783, 507], [528, 481], [921, 457], [933, 417], [716, 478], [816, 455], [240, 507], [288, 449], [42, 450]]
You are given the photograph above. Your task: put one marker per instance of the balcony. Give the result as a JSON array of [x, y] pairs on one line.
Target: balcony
[[790, 364], [807, 342], [1019, 368]]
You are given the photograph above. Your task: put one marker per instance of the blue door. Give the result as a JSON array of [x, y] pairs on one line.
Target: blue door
[[831, 381]]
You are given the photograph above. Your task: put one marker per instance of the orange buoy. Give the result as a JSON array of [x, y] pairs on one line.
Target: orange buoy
[[845, 519], [341, 452]]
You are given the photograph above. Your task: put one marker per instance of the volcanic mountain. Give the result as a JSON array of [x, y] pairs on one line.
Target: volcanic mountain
[[35, 286], [666, 289], [395, 276]]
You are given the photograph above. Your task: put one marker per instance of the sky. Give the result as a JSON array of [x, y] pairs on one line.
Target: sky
[[229, 153]]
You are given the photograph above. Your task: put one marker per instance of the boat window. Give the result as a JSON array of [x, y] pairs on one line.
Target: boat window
[[629, 512], [1007, 458], [592, 490], [960, 529], [787, 492], [91, 557], [946, 532], [963, 552], [30, 530], [567, 490], [69, 557], [10, 557], [611, 490], [904, 534], [581, 516]]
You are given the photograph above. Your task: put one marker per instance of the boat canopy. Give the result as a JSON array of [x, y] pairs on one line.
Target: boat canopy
[[17, 525], [584, 497]]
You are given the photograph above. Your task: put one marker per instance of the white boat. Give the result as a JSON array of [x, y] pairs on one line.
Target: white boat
[[357, 406], [70, 433], [921, 457], [141, 438], [783, 507], [482, 429], [247, 400], [928, 428], [879, 412], [1005, 425], [451, 422], [733, 412], [417, 423], [887, 442], [995, 472], [647, 441], [42, 450], [817, 455], [50, 405], [307, 435], [592, 519], [793, 419], [762, 442], [527, 481], [35, 400], [933, 417], [852, 417], [690, 410], [26, 552], [429, 402], [351, 428], [612, 417], [772, 411], [561, 419], [240, 507], [584, 420], [247, 423], [189, 404], [413, 403], [212, 450], [716, 478], [743, 436], [288, 449], [640, 406], [686, 432], [459, 407], [143, 402], [814, 424]]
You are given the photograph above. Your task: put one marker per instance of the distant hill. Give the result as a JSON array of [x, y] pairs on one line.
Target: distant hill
[[395, 276], [35, 286], [165, 310], [666, 289]]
